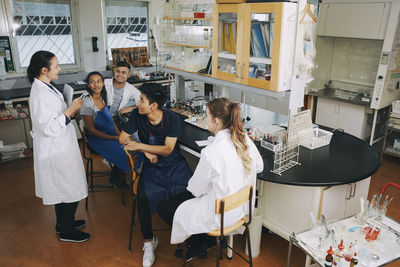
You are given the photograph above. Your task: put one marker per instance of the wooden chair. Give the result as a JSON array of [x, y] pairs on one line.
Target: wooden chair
[[226, 204], [89, 155]]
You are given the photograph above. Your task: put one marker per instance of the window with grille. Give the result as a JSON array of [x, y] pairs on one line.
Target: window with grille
[[43, 25], [127, 24]]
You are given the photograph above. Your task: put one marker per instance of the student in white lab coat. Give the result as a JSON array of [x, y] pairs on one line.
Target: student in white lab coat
[[227, 165], [122, 97], [60, 178]]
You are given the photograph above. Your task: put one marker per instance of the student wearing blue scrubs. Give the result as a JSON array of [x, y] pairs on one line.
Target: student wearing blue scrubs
[[101, 132], [165, 172]]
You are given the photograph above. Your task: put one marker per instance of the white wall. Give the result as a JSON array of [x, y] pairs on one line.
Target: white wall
[[91, 23]]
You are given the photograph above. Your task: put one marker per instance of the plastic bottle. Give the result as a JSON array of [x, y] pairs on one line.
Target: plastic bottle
[[338, 258], [354, 260], [349, 253], [329, 257], [8, 104]]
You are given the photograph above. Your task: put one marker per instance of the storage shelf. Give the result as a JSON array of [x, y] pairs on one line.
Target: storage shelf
[[391, 152], [188, 45], [261, 60], [227, 55], [182, 18], [178, 70], [208, 79]]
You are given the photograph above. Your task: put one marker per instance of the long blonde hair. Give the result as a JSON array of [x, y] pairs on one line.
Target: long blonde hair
[[229, 113]]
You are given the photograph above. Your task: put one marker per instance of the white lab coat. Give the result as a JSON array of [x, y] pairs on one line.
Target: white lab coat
[[220, 173], [59, 172], [130, 93]]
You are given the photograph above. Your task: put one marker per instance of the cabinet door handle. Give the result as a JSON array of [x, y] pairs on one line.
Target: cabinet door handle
[[241, 72], [351, 189], [237, 69], [354, 190]]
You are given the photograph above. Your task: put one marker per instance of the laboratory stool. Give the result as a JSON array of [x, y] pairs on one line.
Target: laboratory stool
[[226, 204]]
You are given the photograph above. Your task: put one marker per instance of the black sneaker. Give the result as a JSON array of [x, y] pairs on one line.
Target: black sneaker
[[76, 236], [191, 252], [77, 225]]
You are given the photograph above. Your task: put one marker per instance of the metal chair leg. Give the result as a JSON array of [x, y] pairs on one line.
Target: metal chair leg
[[218, 251], [289, 256], [133, 211], [249, 246], [122, 181], [184, 254], [86, 204], [91, 175]]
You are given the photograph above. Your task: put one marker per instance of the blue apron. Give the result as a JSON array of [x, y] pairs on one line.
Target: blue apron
[[109, 149], [167, 177]]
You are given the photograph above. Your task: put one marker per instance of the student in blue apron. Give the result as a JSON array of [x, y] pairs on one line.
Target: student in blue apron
[[101, 132], [165, 172]]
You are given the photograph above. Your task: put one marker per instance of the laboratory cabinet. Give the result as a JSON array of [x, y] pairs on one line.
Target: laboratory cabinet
[[352, 118], [253, 44], [353, 19], [344, 200], [292, 214], [391, 143]]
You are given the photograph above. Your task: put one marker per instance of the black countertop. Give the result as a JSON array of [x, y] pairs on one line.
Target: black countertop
[[347, 159]]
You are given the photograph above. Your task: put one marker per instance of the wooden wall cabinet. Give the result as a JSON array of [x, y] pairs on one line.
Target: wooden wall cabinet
[[253, 44]]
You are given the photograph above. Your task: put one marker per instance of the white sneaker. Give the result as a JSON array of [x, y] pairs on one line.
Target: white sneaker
[[149, 249]]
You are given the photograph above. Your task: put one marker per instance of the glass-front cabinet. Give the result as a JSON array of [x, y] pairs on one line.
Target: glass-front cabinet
[[253, 44], [227, 51]]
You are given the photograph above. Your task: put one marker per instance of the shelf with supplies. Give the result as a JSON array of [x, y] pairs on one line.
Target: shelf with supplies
[[188, 45], [180, 18], [391, 141], [187, 35], [253, 44]]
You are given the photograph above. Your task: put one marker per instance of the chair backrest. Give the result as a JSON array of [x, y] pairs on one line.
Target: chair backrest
[[133, 175], [234, 201], [81, 129]]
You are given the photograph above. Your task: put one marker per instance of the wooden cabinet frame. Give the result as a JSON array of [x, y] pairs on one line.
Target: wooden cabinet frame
[[243, 60]]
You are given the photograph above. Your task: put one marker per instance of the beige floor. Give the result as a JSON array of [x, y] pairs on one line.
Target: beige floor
[[27, 236]]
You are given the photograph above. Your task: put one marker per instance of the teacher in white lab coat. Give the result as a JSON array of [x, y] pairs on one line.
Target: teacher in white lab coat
[[230, 163], [59, 173]]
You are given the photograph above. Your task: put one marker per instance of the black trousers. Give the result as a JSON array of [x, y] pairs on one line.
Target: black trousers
[[144, 212], [65, 213], [166, 210]]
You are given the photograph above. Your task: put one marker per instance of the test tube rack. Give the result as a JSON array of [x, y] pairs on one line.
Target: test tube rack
[[286, 158]]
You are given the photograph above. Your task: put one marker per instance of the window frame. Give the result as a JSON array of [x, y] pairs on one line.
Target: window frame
[[74, 32], [126, 23]]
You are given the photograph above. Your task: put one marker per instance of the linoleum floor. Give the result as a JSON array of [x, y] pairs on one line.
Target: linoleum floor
[[27, 236]]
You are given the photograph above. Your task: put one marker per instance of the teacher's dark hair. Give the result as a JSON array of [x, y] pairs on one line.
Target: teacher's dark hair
[[39, 60], [103, 92]]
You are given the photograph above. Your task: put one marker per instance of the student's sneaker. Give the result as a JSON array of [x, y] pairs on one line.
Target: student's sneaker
[[149, 249], [76, 236], [77, 225]]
